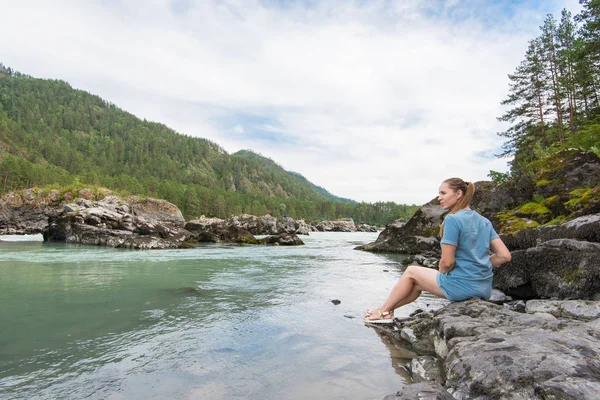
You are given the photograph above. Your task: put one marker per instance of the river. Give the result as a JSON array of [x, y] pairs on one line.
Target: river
[[214, 322]]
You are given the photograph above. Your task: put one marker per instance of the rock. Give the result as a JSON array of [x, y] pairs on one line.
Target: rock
[[26, 212], [336, 301], [490, 198], [235, 234], [366, 228], [286, 225], [417, 236], [499, 297], [207, 237], [425, 368], [516, 306], [147, 209], [204, 224], [563, 269], [421, 391], [341, 225], [568, 170], [585, 228], [87, 194], [576, 309], [265, 225], [241, 230], [302, 228], [423, 260], [151, 224], [490, 352], [284, 239]]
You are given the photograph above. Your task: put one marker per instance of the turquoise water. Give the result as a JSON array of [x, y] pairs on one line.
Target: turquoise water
[[215, 322]]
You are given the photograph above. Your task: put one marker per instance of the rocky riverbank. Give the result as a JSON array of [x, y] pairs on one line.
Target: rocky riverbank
[[101, 218], [541, 349], [544, 342]]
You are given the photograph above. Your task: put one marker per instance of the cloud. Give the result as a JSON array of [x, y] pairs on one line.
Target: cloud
[[373, 100]]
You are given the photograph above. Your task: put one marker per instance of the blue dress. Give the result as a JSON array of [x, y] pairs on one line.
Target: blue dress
[[472, 273]]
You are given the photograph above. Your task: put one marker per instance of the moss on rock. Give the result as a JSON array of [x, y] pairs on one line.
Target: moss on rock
[[533, 209]]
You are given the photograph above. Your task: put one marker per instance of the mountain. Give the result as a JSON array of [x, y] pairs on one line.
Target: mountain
[[53, 134], [268, 163]]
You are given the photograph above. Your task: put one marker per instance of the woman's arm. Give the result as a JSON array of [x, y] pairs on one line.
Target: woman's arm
[[501, 253], [447, 260]]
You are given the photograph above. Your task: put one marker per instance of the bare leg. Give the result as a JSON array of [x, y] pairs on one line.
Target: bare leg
[[412, 282]]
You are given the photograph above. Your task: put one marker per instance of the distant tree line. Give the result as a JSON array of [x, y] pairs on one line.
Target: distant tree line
[[554, 93], [52, 135]]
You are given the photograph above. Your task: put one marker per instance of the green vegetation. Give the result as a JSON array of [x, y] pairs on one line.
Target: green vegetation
[[54, 136], [509, 222], [554, 113], [553, 93], [532, 209], [581, 197]]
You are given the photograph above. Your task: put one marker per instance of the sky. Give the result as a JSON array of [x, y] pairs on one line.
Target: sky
[[373, 100]]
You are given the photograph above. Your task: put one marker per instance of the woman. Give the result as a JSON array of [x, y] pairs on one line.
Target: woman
[[465, 269]]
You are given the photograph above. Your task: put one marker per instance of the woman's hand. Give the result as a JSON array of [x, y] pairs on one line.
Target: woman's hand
[[501, 253]]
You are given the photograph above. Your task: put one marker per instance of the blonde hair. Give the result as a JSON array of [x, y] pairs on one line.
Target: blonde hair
[[467, 188]]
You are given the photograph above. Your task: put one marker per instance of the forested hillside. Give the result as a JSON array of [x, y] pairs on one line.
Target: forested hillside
[[554, 94], [54, 135]]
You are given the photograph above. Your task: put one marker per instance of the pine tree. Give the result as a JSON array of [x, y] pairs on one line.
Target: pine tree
[[528, 89], [566, 63], [589, 55], [550, 52]]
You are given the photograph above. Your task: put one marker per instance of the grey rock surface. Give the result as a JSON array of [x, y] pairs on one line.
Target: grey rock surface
[[421, 391], [417, 236], [584, 228], [115, 222], [490, 352], [340, 225]]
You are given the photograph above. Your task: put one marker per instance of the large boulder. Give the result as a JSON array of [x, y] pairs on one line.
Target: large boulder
[[216, 230], [417, 236], [286, 225], [264, 225], [131, 223], [558, 268], [565, 172], [27, 211], [151, 210], [582, 228]]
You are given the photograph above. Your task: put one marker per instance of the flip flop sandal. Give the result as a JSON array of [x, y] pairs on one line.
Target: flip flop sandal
[[381, 320], [371, 312]]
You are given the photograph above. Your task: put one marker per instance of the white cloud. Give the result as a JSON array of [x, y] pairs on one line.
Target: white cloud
[[377, 100]]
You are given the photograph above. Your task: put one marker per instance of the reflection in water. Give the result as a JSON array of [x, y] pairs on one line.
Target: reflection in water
[[400, 356]]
